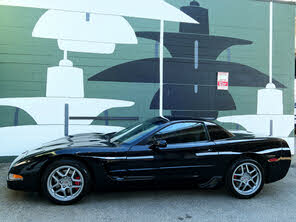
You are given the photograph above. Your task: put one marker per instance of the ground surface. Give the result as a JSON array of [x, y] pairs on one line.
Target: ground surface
[[277, 202]]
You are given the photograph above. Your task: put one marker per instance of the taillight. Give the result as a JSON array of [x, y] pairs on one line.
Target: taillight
[[272, 160]]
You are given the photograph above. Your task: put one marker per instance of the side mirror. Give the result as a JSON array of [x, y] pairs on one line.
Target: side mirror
[[158, 144]]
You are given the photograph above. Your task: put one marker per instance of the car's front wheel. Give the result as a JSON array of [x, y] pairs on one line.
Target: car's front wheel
[[245, 179], [66, 181]]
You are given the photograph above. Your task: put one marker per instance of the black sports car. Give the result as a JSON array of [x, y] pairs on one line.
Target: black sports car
[[157, 150]]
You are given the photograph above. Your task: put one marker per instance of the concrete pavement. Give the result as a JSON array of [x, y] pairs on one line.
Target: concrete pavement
[[277, 202]]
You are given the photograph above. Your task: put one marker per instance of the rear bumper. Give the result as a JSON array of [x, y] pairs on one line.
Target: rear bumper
[[278, 170]]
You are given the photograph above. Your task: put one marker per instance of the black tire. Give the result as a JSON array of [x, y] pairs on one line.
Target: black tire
[[229, 176], [60, 163]]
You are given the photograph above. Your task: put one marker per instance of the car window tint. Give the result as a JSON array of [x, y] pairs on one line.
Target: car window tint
[[182, 133], [136, 131], [217, 132]]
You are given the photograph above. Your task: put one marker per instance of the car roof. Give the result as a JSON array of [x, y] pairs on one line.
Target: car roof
[[181, 118]]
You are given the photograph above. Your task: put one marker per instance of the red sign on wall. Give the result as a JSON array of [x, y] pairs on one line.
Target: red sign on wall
[[223, 81]]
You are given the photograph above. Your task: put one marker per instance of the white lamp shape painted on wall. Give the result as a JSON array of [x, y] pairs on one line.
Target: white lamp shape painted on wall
[[270, 120], [77, 27], [79, 32], [152, 9]]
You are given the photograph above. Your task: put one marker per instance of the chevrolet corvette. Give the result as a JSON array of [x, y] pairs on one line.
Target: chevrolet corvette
[[167, 150]]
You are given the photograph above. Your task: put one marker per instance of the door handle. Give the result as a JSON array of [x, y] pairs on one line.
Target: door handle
[[210, 150]]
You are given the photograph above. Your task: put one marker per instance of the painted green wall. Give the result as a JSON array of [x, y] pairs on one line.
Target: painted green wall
[[24, 60]]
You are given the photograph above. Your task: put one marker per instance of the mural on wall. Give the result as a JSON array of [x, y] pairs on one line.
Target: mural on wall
[[190, 78], [78, 26], [190, 74]]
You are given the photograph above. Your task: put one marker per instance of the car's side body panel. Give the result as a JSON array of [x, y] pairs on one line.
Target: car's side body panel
[[262, 149], [172, 162]]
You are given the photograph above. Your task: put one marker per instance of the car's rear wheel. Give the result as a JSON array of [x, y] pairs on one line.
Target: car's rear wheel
[[66, 181], [245, 179]]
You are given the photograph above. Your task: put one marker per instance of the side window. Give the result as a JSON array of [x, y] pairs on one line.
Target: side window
[[217, 132], [182, 133]]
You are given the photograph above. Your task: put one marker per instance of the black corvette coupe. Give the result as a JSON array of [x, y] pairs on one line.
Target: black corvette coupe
[[157, 150]]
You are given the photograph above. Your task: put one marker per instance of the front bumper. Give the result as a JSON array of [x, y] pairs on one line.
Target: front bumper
[[16, 185], [31, 183], [31, 176]]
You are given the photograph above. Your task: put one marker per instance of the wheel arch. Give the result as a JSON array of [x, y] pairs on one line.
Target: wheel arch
[[260, 159], [67, 157]]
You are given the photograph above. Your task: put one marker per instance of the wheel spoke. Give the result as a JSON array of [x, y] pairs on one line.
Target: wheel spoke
[[73, 174], [255, 176], [238, 174], [246, 184], [252, 181], [76, 186], [56, 179], [242, 169], [60, 174], [248, 171], [65, 194], [68, 170], [56, 185], [59, 190], [70, 190], [241, 183]]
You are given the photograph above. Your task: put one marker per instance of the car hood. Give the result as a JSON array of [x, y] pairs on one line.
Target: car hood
[[80, 140]]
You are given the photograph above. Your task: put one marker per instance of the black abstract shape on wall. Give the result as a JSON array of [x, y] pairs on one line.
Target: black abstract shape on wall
[[190, 79], [181, 44], [181, 70]]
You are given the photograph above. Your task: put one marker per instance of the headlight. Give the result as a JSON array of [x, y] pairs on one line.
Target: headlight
[[15, 164], [16, 160], [21, 163], [15, 177]]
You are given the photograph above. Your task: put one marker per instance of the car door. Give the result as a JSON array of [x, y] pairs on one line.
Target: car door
[[189, 152], [141, 163]]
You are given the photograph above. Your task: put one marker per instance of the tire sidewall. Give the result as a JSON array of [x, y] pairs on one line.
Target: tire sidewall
[[66, 162], [228, 178]]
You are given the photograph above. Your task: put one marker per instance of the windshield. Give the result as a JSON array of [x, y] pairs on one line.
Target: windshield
[[135, 131]]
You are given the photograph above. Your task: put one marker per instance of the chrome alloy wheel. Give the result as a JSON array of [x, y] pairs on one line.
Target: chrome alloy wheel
[[65, 183], [246, 179]]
